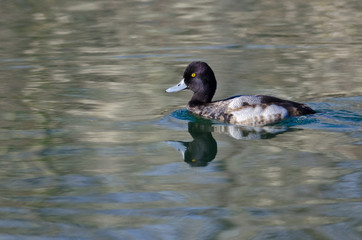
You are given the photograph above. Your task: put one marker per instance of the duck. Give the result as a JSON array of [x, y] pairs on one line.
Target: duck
[[246, 110]]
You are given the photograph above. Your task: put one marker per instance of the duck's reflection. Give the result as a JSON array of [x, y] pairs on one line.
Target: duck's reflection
[[203, 148], [250, 133]]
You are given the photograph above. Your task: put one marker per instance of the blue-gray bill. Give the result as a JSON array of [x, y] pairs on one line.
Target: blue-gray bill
[[178, 87]]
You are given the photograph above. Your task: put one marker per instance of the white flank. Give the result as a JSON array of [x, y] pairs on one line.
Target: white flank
[[258, 116]]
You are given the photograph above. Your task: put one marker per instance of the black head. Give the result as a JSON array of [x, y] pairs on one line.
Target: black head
[[200, 79]]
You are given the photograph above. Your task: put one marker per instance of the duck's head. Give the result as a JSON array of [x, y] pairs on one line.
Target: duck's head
[[199, 78]]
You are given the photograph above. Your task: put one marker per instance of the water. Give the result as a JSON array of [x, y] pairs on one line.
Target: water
[[93, 148]]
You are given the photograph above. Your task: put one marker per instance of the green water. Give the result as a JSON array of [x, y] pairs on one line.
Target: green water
[[91, 146]]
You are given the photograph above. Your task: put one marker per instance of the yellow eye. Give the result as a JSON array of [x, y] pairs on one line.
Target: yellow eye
[[193, 75]]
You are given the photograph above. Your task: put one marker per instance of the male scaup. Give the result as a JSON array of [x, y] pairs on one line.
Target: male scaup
[[247, 110]]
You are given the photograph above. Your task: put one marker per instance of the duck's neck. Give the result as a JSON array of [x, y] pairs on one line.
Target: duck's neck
[[200, 99]]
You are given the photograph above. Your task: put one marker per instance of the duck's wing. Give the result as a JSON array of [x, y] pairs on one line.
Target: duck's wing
[[241, 101], [294, 108]]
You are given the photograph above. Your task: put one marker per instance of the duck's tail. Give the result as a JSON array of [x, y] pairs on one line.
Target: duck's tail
[[303, 109]]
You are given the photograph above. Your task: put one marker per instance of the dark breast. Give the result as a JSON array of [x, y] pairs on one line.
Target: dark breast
[[215, 110]]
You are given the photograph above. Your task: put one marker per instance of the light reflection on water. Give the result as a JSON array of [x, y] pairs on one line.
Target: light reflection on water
[[88, 136]]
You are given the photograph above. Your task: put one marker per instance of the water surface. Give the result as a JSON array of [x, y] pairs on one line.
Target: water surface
[[93, 148]]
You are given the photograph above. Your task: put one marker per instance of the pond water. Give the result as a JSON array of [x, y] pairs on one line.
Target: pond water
[[93, 148]]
